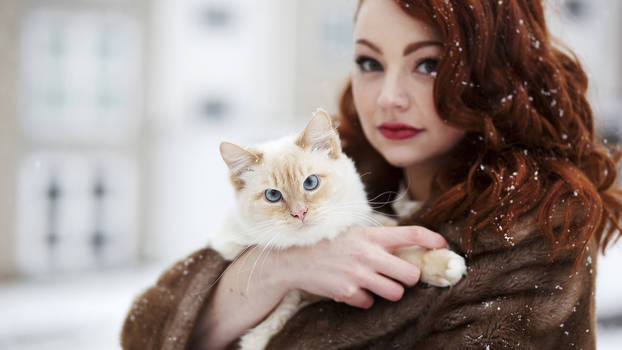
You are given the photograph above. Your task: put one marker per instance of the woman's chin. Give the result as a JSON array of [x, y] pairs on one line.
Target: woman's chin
[[400, 160]]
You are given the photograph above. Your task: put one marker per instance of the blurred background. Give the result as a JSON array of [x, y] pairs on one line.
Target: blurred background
[[111, 112]]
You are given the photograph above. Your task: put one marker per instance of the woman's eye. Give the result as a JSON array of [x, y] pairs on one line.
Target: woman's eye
[[272, 195], [367, 64], [311, 182], [427, 66]]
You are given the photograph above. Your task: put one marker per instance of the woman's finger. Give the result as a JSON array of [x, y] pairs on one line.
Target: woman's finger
[[382, 286], [396, 237], [395, 268], [354, 296]]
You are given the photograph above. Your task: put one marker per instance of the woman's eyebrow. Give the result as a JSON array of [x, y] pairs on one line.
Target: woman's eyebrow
[[369, 44], [412, 47]]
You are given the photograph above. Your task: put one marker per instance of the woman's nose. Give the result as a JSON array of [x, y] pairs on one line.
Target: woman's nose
[[393, 94]]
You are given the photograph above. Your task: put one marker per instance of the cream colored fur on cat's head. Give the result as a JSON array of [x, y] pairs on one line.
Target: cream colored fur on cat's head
[[338, 201]]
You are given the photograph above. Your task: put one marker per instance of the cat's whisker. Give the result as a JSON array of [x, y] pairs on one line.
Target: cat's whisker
[[263, 250], [372, 201], [361, 215], [272, 249], [273, 234], [238, 257], [350, 206], [396, 216], [382, 194], [375, 205], [400, 195], [367, 218], [260, 226], [332, 209], [241, 255], [261, 232]]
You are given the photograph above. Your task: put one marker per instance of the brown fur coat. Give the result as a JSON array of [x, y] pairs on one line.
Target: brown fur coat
[[513, 297]]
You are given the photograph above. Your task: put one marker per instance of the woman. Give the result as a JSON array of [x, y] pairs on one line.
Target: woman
[[469, 104]]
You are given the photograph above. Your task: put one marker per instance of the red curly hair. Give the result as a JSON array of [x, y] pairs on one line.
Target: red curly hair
[[529, 144]]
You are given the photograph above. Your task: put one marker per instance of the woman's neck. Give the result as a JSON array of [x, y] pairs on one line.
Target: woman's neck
[[419, 178]]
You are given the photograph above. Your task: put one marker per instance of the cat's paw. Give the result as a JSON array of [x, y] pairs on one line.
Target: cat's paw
[[442, 268]]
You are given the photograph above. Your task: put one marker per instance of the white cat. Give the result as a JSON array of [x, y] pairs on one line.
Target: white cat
[[296, 191]]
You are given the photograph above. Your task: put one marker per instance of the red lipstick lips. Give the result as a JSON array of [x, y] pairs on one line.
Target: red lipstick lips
[[398, 131]]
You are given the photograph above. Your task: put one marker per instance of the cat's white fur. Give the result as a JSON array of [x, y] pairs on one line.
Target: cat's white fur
[[255, 221]]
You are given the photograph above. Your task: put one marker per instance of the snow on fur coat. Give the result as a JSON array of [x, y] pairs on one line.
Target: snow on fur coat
[[513, 297]]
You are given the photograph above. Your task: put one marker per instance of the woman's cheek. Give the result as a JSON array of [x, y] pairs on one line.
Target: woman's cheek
[[365, 95]]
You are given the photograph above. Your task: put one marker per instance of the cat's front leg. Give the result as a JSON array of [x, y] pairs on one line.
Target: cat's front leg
[[258, 337], [439, 267]]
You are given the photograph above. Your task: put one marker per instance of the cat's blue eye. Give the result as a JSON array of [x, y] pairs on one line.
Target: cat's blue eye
[[272, 195], [311, 182], [368, 64]]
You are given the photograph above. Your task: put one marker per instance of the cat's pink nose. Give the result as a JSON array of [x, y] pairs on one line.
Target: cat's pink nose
[[299, 213]]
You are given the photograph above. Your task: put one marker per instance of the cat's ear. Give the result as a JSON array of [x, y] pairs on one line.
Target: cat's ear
[[239, 160], [320, 135]]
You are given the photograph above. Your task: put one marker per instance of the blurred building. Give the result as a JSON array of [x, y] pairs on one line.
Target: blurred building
[[113, 111], [74, 110]]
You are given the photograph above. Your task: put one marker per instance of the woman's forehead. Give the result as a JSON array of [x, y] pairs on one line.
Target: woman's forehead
[[386, 24]]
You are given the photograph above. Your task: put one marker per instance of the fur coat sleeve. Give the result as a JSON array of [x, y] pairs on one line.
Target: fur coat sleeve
[[515, 296], [164, 316]]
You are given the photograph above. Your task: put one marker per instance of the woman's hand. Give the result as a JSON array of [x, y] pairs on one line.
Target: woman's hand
[[357, 262]]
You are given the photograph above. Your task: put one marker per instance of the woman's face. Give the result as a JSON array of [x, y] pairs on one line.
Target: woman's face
[[393, 83]]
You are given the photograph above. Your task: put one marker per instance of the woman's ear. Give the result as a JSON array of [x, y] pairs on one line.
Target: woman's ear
[[320, 135]]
